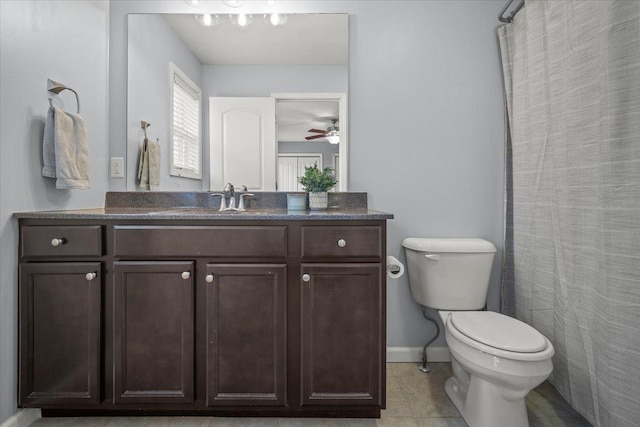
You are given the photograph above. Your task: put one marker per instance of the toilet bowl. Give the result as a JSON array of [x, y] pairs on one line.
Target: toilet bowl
[[496, 359]]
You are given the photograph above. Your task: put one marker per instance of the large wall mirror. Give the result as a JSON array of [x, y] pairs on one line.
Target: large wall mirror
[[221, 102]]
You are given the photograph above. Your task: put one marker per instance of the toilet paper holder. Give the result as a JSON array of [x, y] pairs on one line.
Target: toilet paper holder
[[395, 269]]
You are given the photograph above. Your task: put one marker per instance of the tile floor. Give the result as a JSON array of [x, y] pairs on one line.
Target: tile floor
[[413, 400]]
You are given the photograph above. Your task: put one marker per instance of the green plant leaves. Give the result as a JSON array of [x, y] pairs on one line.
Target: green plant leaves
[[315, 180]]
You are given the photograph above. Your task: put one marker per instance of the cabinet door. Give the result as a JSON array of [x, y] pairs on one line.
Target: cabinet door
[[153, 332], [60, 333], [341, 334], [246, 334]]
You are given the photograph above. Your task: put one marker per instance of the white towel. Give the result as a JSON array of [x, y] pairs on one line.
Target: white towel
[[65, 150]]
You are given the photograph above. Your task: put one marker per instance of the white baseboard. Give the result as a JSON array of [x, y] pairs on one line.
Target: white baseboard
[[414, 354], [22, 418]]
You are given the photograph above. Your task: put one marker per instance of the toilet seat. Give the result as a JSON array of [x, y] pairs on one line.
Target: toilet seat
[[499, 335]]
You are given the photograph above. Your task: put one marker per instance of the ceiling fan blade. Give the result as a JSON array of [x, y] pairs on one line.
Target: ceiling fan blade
[[308, 138], [317, 131]]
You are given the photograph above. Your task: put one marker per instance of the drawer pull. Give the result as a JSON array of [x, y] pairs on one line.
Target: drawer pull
[[209, 278], [91, 276], [342, 243], [58, 241], [306, 278], [186, 275]]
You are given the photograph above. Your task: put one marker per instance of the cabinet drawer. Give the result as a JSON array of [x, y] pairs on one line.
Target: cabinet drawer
[[341, 241], [61, 241], [192, 241]]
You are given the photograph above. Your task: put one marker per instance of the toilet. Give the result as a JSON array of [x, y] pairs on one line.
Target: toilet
[[496, 359]]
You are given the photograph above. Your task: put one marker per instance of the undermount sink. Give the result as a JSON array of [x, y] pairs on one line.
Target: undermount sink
[[195, 210]]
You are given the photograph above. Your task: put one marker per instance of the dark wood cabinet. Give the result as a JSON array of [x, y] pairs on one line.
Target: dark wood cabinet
[[341, 334], [153, 321], [246, 334], [203, 316], [60, 343]]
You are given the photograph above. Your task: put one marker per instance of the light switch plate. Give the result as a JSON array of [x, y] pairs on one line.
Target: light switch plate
[[117, 167]]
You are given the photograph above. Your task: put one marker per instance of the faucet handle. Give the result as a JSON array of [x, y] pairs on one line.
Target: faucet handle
[[228, 188], [241, 207], [223, 204]]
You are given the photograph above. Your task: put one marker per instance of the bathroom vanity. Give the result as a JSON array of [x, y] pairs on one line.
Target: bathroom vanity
[[186, 310]]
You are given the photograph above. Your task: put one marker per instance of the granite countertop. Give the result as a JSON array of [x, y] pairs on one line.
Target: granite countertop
[[199, 206], [199, 213]]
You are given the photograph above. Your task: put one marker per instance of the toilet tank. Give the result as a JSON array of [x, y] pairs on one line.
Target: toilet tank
[[449, 274]]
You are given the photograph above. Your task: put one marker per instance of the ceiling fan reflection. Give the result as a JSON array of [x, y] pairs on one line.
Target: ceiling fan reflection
[[332, 134]]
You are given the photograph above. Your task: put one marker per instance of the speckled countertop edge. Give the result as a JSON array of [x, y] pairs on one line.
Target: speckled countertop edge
[[207, 214], [200, 205]]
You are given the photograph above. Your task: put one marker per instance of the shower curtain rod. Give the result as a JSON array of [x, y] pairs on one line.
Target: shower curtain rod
[[509, 18]]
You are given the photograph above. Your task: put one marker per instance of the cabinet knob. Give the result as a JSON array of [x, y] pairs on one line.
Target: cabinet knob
[[306, 277], [58, 241], [91, 276], [186, 275], [342, 243], [209, 278]]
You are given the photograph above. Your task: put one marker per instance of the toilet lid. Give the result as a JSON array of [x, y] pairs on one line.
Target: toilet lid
[[498, 331]]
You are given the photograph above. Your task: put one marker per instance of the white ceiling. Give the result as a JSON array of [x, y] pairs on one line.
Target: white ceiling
[[305, 39]]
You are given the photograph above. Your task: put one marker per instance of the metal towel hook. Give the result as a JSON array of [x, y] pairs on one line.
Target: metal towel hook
[[509, 18], [55, 87], [144, 125]]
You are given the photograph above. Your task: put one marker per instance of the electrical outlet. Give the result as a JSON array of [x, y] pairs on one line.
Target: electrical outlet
[[117, 167]]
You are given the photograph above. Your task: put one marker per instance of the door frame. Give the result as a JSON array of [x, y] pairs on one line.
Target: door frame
[[341, 99]]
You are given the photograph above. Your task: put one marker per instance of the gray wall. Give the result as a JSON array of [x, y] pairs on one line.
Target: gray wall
[[67, 42], [425, 115], [152, 45]]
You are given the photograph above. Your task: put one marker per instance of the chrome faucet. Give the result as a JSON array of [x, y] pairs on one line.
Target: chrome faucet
[[229, 191]]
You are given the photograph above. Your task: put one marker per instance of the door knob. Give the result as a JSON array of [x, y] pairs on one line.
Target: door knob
[[209, 278], [90, 276], [342, 243], [186, 275], [306, 277]]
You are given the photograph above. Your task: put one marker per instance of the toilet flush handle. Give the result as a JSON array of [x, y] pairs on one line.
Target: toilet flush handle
[[432, 257]]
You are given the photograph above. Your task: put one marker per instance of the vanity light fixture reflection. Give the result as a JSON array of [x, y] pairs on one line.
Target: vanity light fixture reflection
[[233, 3], [193, 3], [207, 20], [276, 19], [241, 20]]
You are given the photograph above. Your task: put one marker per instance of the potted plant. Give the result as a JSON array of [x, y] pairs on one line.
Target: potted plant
[[317, 182]]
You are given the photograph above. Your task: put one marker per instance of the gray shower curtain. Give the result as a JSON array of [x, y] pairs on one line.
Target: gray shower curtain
[[572, 83]]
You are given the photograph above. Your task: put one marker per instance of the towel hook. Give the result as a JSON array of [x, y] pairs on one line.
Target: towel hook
[[144, 125], [55, 87], [509, 18]]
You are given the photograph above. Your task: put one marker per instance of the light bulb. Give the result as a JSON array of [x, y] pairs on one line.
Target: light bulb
[[193, 3], [241, 20], [333, 139], [276, 19], [207, 20]]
